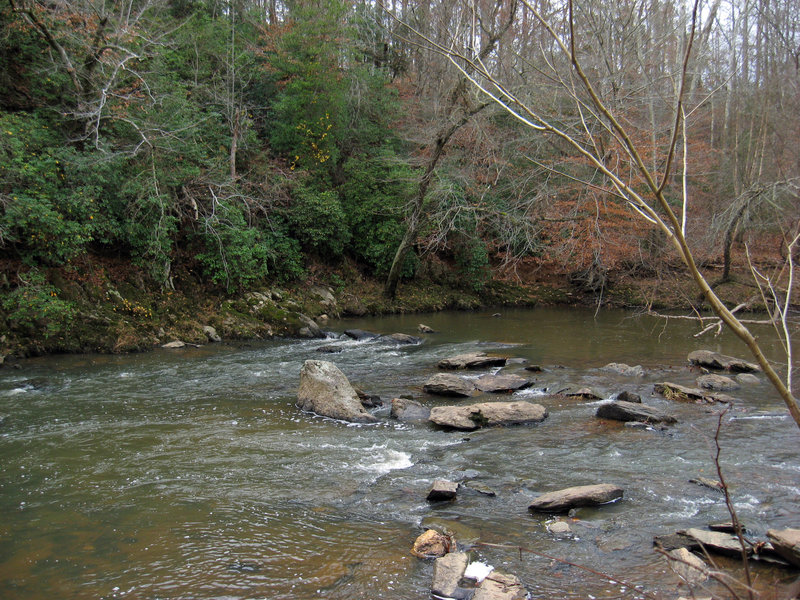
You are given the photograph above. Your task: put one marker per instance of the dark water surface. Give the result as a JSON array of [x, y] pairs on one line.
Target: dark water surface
[[191, 474]]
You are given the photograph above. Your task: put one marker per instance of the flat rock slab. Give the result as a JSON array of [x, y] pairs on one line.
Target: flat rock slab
[[687, 566], [488, 414], [325, 390], [715, 360], [401, 339], [447, 384], [716, 541], [472, 360], [502, 384], [786, 543], [619, 410], [718, 383], [574, 497], [447, 573], [500, 586], [442, 490], [673, 391]]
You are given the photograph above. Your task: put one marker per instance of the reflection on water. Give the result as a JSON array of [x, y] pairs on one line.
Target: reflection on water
[[190, 473]]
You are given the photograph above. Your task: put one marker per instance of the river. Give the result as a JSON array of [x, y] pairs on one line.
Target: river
[[190, 473]]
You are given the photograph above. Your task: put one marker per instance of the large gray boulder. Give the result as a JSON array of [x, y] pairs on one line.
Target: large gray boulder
[[500, 384], [446, 384], [786, 543], [472, 360], [325, 390], [715, 360], [574, 497], [619, 410], [487, 414]]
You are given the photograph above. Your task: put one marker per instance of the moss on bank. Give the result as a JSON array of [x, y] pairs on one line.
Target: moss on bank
[[110, 308]]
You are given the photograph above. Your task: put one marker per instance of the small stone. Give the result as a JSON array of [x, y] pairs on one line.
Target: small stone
[[432, 544], [447, 573], [442, 490], [559, 528], [422, 328], [717, 382], [330, 349], [747, 379], [629, 397]]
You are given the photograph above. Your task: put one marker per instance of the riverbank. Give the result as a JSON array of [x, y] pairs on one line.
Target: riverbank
[[107, 306]]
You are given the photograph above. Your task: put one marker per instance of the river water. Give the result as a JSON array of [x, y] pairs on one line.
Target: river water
[[191, 474]]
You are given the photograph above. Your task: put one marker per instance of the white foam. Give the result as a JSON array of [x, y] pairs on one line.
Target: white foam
[[478, 571], [391, 460]]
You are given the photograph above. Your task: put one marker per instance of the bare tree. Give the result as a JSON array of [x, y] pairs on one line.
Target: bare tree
[[606, 141]]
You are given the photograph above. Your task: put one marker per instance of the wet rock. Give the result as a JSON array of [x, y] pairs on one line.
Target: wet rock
[[211, 333], [447, 573], [330, 349], [368, 400], [726, 527], [442, 490], [629, 397], [446, 384], [432, 544], [674, 541], [747, 379], [534, 368], [620, 410], [717, 542], [245, 566], [574, 497], [174, 344], [422, 328], [583, 393], [623, 369], [360, 334], [687, 566], [786, 543], [325, 390], [487, 414], [715, 360], [311, 329], [709, 483], [482, 489], [471, 360], [402, 339], [404, 409], [559, 528], [499, 384], [718, 383], [673, 391], [500, 586]]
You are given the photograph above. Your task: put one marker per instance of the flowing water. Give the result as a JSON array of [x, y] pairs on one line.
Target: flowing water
[[191, 474]]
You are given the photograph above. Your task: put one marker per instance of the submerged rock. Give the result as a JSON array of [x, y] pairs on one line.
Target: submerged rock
[[715, 360], [404, 409], [446, 384], [708, 483], [472, 360], [620, 410], [583, 393], [330, 349], [786, 543], [574, 497], [422, 328], [325, 390], [718, 383], [623, 369], [488, 414], [432, 544], [747, 379], [499, 384]]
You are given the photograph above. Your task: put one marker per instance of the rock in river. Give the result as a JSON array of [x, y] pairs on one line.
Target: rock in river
[[325, 390], [432, 544], [360, 334], [619, 410], [488, 414], [499, 384], [717, 541], [442, 490], [786, 543], [715, 360], [472, 360], [674, 391], [445, 384], [404, 409], [718, 383], [574, 497]]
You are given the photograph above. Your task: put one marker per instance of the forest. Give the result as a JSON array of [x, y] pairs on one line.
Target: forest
[[255, 143]]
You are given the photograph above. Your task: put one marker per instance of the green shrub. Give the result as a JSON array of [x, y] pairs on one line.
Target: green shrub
[[35, 305]]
